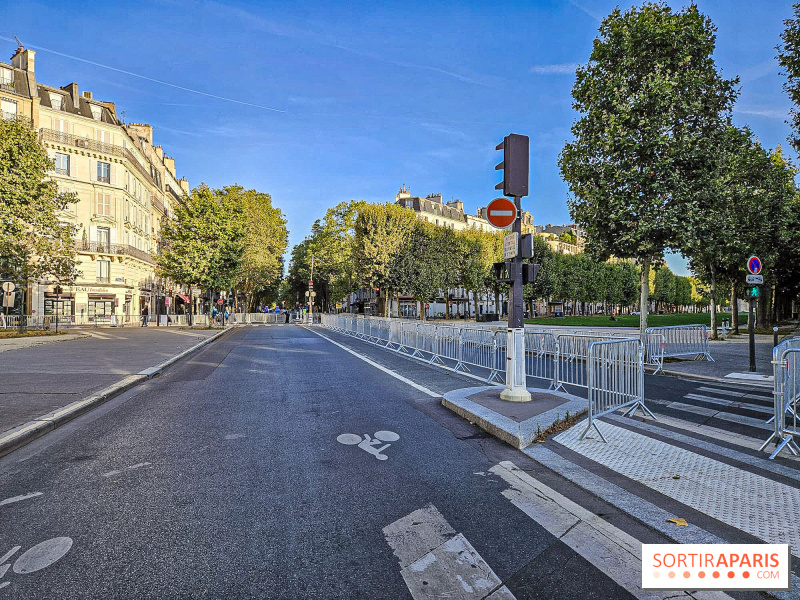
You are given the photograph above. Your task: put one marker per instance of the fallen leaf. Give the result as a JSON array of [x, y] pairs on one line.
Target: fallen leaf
[[676, 476], [678, 522]]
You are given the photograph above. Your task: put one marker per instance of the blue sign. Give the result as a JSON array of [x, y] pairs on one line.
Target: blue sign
[[754, 265]]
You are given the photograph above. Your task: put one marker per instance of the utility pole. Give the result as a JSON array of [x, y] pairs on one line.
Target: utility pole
[[311, 294]]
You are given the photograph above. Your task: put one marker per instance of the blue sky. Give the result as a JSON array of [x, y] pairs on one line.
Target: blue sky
[[353, 99]]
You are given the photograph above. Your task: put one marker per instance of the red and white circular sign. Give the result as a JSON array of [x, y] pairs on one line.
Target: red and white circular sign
[[501, 212]]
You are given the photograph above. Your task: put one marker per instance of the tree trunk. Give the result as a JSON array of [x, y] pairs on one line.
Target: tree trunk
[[475, 303], [713, 304], [644, 296], [762, 308], [734, 309]]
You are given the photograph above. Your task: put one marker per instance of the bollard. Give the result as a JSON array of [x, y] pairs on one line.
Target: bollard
[[774, 336]]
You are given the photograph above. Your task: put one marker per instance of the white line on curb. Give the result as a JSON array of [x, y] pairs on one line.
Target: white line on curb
[[413, 384]]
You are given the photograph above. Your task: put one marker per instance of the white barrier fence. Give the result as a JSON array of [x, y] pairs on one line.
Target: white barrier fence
[[615, 380], [786, 394], [50, 321], [611, 368], [684, 340]]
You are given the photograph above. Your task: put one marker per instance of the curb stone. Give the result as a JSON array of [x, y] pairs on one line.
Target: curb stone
[[27, 432]]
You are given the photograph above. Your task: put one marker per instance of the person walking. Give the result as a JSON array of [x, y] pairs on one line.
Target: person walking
[[144, 316]]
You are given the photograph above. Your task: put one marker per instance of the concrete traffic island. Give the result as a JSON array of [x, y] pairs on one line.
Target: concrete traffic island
[[515, 423]]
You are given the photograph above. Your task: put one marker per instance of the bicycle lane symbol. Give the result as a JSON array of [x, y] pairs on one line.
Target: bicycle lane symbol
[[38, 557], [368, 444]]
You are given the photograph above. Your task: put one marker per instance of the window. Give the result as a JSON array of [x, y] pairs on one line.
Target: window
[[103, 239], [97, 112], [62, 163], [56, 100], [104, 204], [60, 125], [103, 136], [104, 172], [9, 108], [6, 77], [102, 271]]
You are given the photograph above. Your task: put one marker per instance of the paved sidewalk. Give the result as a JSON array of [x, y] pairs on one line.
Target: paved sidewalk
[[36, 379]]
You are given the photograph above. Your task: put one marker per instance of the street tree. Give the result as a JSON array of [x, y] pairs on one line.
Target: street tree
[[380, 233], [789, 60], [265, 239], [203, 245], [36, 241], [652, 105]]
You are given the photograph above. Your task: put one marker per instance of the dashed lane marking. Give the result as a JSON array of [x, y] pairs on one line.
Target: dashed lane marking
[[19, 499], [132, 467], [608, 548], [437, 562]]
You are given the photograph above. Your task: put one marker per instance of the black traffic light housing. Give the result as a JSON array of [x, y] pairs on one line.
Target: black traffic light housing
[[515, 165], [529, 273], [506, 272]]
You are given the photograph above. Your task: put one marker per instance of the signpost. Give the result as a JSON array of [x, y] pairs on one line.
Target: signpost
[[510, 244], [755, 279], [501, 213]]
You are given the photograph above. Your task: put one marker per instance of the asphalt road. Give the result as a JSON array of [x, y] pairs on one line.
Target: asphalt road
[[224, 479]]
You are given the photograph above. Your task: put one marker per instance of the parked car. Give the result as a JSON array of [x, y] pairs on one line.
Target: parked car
[[636, 313]]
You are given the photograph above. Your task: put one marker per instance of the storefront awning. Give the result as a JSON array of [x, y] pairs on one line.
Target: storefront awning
[[183, 297]]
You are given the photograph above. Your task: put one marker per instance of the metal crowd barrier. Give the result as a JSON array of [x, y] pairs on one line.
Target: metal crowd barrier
[[786, 393], [615, 379], [684, 340]]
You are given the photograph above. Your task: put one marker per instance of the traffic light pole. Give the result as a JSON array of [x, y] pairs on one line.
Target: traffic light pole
[[751, 332], [516, 385]]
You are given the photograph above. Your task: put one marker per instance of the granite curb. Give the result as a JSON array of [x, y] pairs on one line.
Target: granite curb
[[27, 432], [517, 434]]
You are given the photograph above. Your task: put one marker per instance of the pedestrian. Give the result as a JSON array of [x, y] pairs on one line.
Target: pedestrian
[[144, 316]]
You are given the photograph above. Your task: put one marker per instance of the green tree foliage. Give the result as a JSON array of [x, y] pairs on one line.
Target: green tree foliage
[[422, 266], [652, 105], [265, 240], [789, 59], [203, 245], [331, 243], [34, 243], [380, 234]]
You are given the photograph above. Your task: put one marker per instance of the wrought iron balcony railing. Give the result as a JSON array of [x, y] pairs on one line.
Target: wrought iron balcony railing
[[59, 137]]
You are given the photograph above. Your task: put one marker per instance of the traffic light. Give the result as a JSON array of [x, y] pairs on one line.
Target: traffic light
[[504, 271], [754, 292], [529, 273], [515, 165]]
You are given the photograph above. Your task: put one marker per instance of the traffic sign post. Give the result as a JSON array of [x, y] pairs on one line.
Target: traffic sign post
[[755, 279], [503, 213]]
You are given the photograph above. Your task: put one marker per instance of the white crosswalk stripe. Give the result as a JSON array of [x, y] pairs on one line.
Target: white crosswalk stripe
[[752, 503]]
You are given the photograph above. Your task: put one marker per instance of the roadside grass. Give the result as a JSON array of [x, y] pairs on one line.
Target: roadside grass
[[559, 425], [633, 320], [15, 333]]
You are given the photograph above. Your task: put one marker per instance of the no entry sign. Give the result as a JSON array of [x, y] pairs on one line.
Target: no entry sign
[[501, 212], [754, 265]]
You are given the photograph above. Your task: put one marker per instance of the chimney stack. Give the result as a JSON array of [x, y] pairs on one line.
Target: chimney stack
[[24, 59]]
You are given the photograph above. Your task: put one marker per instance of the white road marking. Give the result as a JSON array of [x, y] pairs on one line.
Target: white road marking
[[105, 336], [367, 444], [413, 384], [606, 547], [110, 473], [42, 555], [18, 499], [437, 562], [9, 554]]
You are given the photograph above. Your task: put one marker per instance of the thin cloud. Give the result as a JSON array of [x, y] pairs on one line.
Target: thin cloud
[[758, 71], [563, 69], [769, 113], [296, 33], [145, 77], [597, 17]]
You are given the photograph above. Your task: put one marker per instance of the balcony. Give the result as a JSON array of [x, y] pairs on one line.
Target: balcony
[[59, 137], [134, 161], [158, 205], [116, 249], [9, 116], [7, 85]]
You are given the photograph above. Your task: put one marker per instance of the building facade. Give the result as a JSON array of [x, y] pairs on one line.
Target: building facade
[[125, 186]]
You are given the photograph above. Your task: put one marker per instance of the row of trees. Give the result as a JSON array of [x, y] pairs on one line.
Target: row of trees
[[225, 239], [359, 245], [657, 164]]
